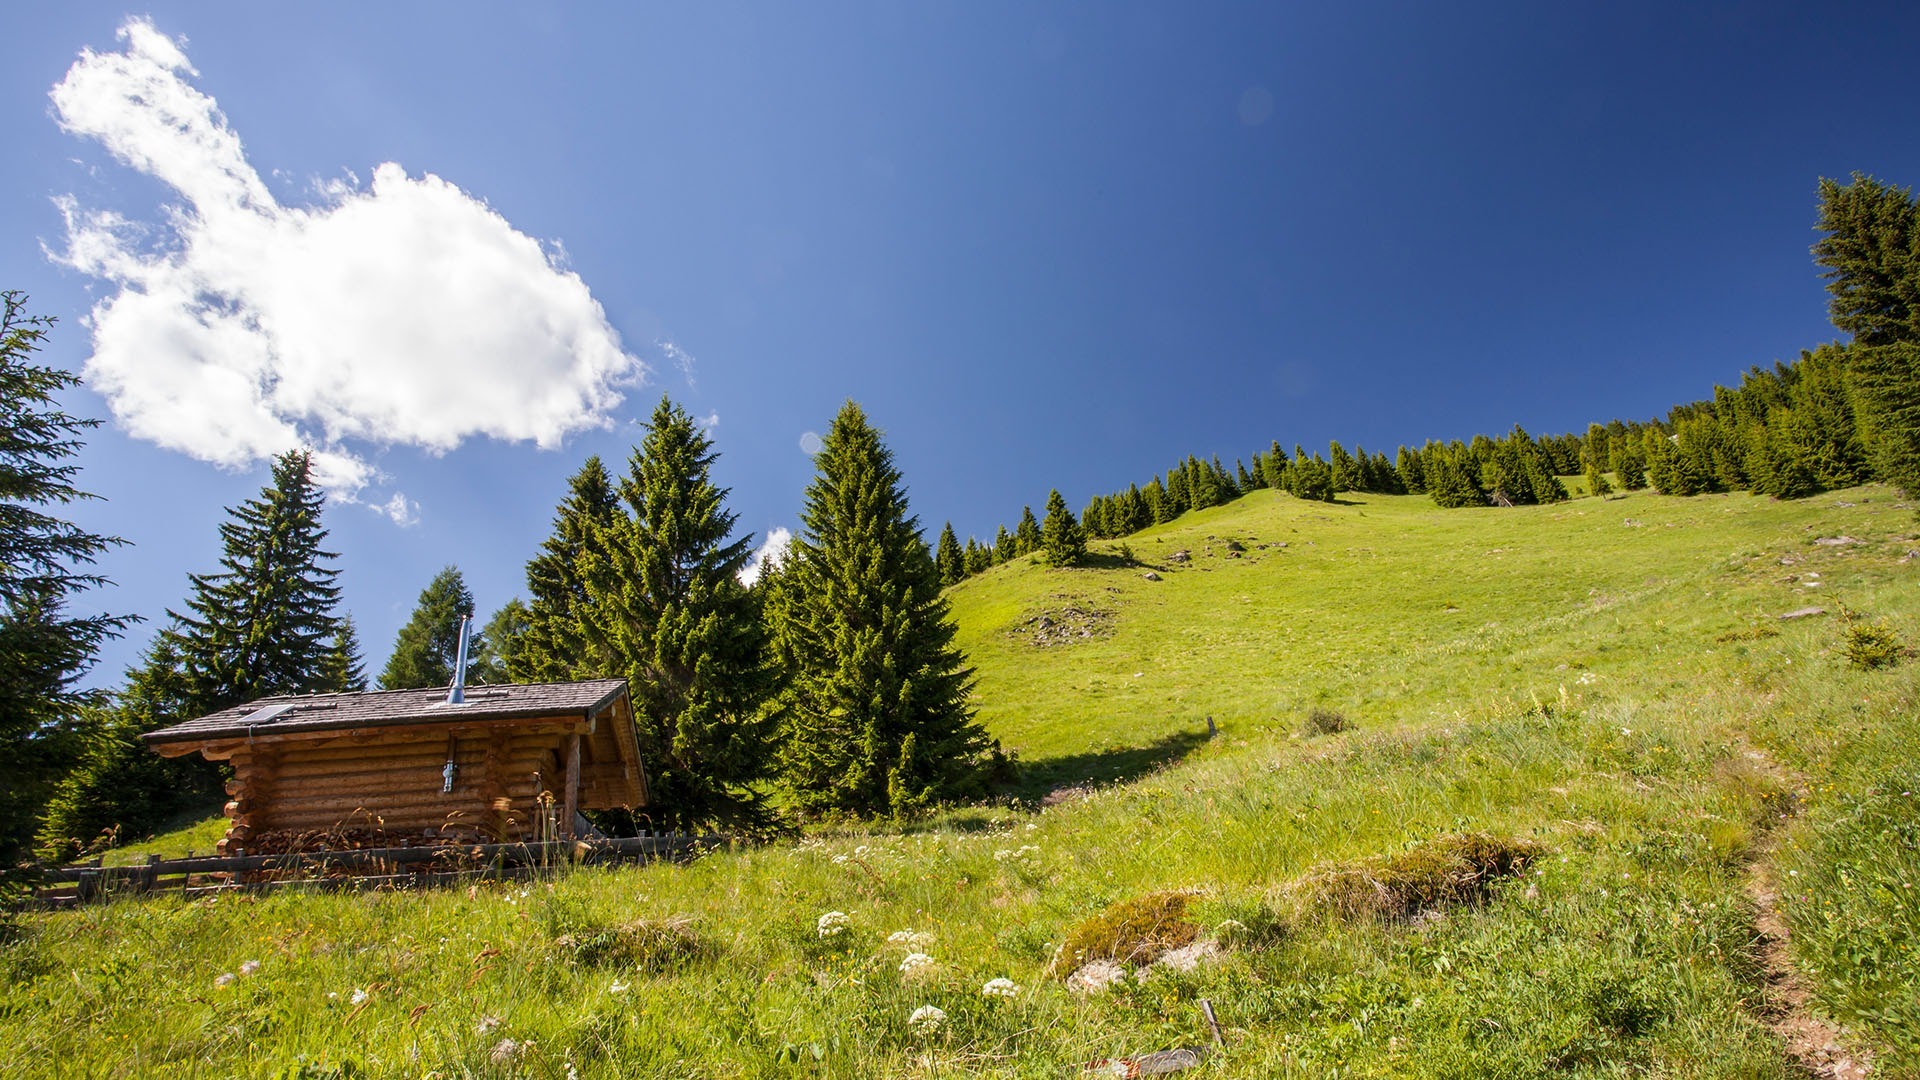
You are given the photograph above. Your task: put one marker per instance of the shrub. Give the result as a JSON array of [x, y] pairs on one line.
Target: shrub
[[644, 944], [1460, 868], [1872, 645], [1132, 931], [1323, 721]]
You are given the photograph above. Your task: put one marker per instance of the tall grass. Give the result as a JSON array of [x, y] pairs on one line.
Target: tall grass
[[1579, 680]]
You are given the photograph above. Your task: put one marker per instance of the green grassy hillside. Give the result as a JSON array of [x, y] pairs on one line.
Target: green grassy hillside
[[1600, 693]]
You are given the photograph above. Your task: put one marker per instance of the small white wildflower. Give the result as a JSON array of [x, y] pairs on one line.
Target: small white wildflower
[[861, 850], [916, 963], [359, 997], [840, 860], [504, 1051], [248, 967], [1032, 826], [618, 987], [1000, 988], [927, 1018], [833, 923], [1626, 731], [1002, 855], [900, 937], [223, 980], [486, 1024]]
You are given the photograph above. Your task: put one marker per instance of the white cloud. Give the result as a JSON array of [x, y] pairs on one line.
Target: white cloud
[[709, 421], [770, 553], [403, 312], [401, 510], [681, 359]]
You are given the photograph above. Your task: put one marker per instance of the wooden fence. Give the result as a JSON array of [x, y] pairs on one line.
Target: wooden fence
[[358, 870]]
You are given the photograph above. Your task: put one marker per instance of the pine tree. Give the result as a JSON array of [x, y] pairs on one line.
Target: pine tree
[[1344, 475], [1413, 471], [1871, 255], [1627, 451], [344, 672], [1886, 383], [1597, 481], [264, 624], [978, 557], [1026, 536], [1002, 545], [1062, 541], [663, 590], [948, 560], [497, 648], [425, 649], [560, 642], [1452, 477], [875, 713], [1274, 467], [44, 650]]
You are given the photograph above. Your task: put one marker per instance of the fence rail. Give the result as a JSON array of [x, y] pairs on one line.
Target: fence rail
[[354, 869]]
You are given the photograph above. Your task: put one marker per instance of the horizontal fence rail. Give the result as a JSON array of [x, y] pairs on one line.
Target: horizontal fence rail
[[354, 869]]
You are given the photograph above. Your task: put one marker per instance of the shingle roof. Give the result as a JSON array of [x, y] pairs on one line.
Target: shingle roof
[[385, 708]]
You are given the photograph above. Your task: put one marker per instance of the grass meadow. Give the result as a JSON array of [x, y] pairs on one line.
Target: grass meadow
[[1603, 684]]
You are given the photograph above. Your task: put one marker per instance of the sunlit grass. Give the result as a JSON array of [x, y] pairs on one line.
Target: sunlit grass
[[1584, 679]]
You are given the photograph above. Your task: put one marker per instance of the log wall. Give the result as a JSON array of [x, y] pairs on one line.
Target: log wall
[[391, 778]]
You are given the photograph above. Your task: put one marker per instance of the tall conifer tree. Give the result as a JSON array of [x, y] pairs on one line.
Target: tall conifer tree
[[426, 648], [265, 622], [1063, 542], [560, 641], [664, 593], [875, 713], [948, 560], [1026, 536]]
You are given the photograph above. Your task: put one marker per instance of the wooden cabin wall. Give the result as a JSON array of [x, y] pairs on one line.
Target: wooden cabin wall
[[395, 784]]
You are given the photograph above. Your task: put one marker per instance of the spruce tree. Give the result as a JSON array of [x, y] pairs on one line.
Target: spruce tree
[[44, 649], [948, 560], [1063, 542], [264, 624], [1413, 472], [664, 593], [1002, 545], [1274, 467], [345, 672], [1597, 481], [1026, 536], [426, 648], [1452, 477], [1344, 474], [875, 713], [1871, 255], [978, 557], [1627, 451], [1886, 382], [560, 641], [496, 649]]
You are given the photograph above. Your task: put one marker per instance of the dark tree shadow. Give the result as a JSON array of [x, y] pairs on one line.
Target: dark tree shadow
[[1033, 781]]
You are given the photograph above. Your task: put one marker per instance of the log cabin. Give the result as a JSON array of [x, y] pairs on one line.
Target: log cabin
[[486, 762]]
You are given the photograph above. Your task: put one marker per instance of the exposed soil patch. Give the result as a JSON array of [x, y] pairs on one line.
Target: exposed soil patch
[[1063, 626], [1817, 1046]]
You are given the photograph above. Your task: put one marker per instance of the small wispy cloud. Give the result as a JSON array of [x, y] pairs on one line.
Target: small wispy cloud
[[404, 312], [709, 421], [401, 510], [770, 553], [680, 358]]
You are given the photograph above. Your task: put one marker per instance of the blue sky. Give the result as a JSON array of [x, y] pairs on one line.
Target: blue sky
[[1043, 245]]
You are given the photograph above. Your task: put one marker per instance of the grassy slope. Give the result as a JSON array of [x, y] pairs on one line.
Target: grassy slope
[[1588, 675]]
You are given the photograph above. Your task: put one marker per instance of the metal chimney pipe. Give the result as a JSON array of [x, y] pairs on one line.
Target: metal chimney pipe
[[457, 693]]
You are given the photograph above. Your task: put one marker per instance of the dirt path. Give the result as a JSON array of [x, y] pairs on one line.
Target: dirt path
[[1818, 1047]]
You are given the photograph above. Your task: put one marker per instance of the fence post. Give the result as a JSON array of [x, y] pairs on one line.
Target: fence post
[[149, 875]]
